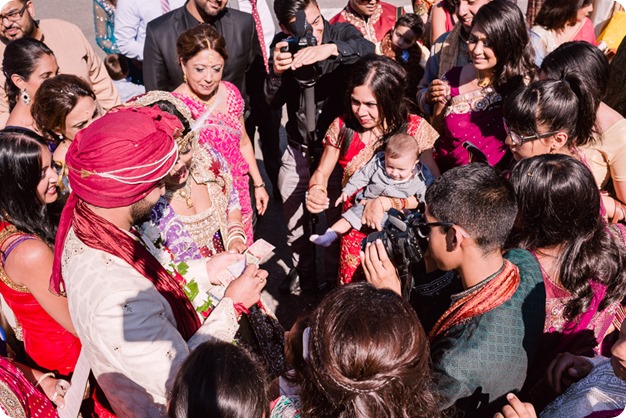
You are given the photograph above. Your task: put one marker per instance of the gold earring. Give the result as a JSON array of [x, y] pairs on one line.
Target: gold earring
[[185, 78]]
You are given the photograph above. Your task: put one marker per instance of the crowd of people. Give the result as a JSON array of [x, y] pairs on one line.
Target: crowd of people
[[462, 157]]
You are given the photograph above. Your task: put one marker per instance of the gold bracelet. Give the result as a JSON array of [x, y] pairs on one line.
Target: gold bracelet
[[319, 187]]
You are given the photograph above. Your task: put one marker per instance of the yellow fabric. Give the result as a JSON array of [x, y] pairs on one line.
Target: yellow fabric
[[615, 31], [607, 157]]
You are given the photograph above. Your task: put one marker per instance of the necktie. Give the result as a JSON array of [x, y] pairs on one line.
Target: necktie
[[259, 31], [165, 6]]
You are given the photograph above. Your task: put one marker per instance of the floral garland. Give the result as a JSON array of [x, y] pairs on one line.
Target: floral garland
[[150, 237]]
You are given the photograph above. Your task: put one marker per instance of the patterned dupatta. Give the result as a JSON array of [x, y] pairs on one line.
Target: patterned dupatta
[[450, 50], [487, 297], [18, 397]]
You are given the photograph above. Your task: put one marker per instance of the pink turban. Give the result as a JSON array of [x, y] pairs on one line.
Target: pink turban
[[118, 159]]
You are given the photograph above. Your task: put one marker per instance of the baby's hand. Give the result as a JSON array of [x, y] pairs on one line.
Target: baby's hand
[[341, 199]]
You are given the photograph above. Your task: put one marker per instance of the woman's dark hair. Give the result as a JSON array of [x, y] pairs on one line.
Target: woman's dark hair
[[556, 14], [558, 105], [387, 80], [55, 99], [581, 61], [21, 57], [20, 173], [219, 380], [368, 357], [199, 38], [413, 22], [503, 24], [559, 205]]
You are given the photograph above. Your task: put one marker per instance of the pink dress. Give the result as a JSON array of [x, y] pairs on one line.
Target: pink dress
[[223, 131]]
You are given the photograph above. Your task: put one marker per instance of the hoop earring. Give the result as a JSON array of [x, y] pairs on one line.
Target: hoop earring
[[25, 97]]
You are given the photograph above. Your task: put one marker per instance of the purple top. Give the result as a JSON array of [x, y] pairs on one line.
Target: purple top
[[474, 116]]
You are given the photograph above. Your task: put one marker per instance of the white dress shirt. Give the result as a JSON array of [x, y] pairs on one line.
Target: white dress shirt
[[131, 18]]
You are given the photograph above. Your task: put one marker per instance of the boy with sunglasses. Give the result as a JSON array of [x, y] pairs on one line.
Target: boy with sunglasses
[[489, 326]]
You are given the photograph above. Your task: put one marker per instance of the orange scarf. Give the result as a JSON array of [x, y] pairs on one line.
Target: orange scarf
[[488, 297]]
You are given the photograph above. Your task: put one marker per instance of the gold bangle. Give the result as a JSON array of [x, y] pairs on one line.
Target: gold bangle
[[319, 187]]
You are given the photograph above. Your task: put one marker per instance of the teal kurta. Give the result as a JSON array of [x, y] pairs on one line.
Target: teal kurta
[[478, 362]]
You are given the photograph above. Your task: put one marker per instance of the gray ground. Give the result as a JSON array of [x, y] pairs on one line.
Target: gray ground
[[271, 226]]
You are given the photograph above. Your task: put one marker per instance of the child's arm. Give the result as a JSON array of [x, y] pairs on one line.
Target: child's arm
[[361, 178]]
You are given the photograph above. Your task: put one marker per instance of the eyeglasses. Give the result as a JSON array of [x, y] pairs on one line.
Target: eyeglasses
[[15, 15], [423, 228], [367, 1], [518, 139]]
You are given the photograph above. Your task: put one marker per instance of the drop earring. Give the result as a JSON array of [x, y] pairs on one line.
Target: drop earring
[[25, 97], [185, 78]]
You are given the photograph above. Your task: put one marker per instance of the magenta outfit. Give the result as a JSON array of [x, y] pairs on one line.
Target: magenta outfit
[[223, 131], [475, 116]]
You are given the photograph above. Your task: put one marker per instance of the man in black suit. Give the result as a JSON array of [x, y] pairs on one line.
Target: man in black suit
[[161, 67]]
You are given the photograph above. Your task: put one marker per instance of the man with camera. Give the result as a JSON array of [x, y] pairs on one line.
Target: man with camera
[[311, 57], [490, 311]]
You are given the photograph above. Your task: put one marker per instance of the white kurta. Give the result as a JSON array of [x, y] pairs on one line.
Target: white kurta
[[128, 330]]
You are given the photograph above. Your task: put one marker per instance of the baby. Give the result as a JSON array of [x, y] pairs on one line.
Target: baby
[[395, 173]]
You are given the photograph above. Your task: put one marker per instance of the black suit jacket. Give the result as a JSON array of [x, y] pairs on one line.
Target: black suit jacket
[[161, 69]]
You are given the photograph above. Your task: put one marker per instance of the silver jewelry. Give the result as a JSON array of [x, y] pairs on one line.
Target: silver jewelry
[[25, 96]]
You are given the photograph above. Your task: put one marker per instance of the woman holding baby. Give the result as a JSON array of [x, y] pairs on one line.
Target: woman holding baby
[[353, 139]]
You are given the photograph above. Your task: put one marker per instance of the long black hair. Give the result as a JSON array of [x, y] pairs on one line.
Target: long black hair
[[20, 173], [559, 205], [504, 25], [21, 57], [387, 80]]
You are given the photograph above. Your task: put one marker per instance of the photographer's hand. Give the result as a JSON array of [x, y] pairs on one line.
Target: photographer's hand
[[313, 54], [379, 270], [282, 60]]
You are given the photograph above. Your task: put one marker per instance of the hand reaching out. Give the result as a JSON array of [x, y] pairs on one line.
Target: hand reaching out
[[341, 199]]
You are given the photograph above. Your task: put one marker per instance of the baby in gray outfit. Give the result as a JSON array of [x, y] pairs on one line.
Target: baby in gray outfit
[[395, 173]]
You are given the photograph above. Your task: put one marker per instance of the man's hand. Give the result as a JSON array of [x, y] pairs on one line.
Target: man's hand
[[246, 289], [516, 409], [565, 370], [379, 270], [438, 92], [313, 54], [282, 60]]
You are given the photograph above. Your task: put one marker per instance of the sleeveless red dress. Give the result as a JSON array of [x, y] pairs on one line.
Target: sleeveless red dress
[[46, 342]]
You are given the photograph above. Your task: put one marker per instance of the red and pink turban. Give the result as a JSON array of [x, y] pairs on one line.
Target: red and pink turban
[[122, 156]]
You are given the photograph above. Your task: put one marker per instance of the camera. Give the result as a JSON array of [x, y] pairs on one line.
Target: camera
[[404, 244], [295, 43], [302, 37]]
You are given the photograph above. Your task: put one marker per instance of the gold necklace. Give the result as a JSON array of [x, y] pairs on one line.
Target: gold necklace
[[210, 100], [484, 81], [183, 194]]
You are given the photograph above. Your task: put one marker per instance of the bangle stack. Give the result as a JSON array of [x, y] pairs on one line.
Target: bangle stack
[[235, 231], [398, 203]]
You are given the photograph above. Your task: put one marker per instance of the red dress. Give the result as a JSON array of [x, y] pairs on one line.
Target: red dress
[[355, 157], [46, 342]]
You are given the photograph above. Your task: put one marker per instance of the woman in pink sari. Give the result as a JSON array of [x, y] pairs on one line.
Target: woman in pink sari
[[217, 106], [582, 259], [375, 86]]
